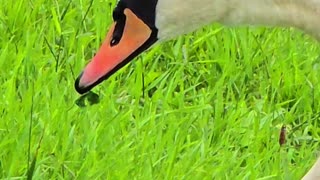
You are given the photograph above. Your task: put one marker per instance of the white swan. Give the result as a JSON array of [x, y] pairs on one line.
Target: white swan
[[139, 24]]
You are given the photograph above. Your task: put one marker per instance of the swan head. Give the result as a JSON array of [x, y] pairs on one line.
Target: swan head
[[137, 25], [133, 31]]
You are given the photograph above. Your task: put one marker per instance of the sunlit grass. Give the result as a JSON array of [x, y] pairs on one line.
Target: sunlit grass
[[207, 105]]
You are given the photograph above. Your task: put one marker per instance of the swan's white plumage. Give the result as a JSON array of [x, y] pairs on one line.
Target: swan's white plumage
[[314, 172], [175, 17]]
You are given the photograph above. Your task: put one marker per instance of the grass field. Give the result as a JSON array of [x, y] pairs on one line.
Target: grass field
[[209, 105]]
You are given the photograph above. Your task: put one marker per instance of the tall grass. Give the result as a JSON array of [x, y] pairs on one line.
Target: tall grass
[[207, 105]]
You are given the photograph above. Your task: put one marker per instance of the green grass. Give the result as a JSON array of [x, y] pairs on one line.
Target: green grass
[[212, 103]]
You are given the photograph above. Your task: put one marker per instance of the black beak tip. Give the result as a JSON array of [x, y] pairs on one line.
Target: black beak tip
[[80, 89]]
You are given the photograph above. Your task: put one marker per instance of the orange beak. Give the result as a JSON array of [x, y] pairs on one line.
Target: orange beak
[[136, 35]]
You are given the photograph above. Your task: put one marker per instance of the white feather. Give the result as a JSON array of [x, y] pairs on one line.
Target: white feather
[[175, 17]]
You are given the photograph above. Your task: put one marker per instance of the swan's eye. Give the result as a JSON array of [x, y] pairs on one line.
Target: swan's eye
[[118, 29], [120, 20], [114, 41]]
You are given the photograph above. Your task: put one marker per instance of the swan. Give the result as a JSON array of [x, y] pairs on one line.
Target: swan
[[140, 24]]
